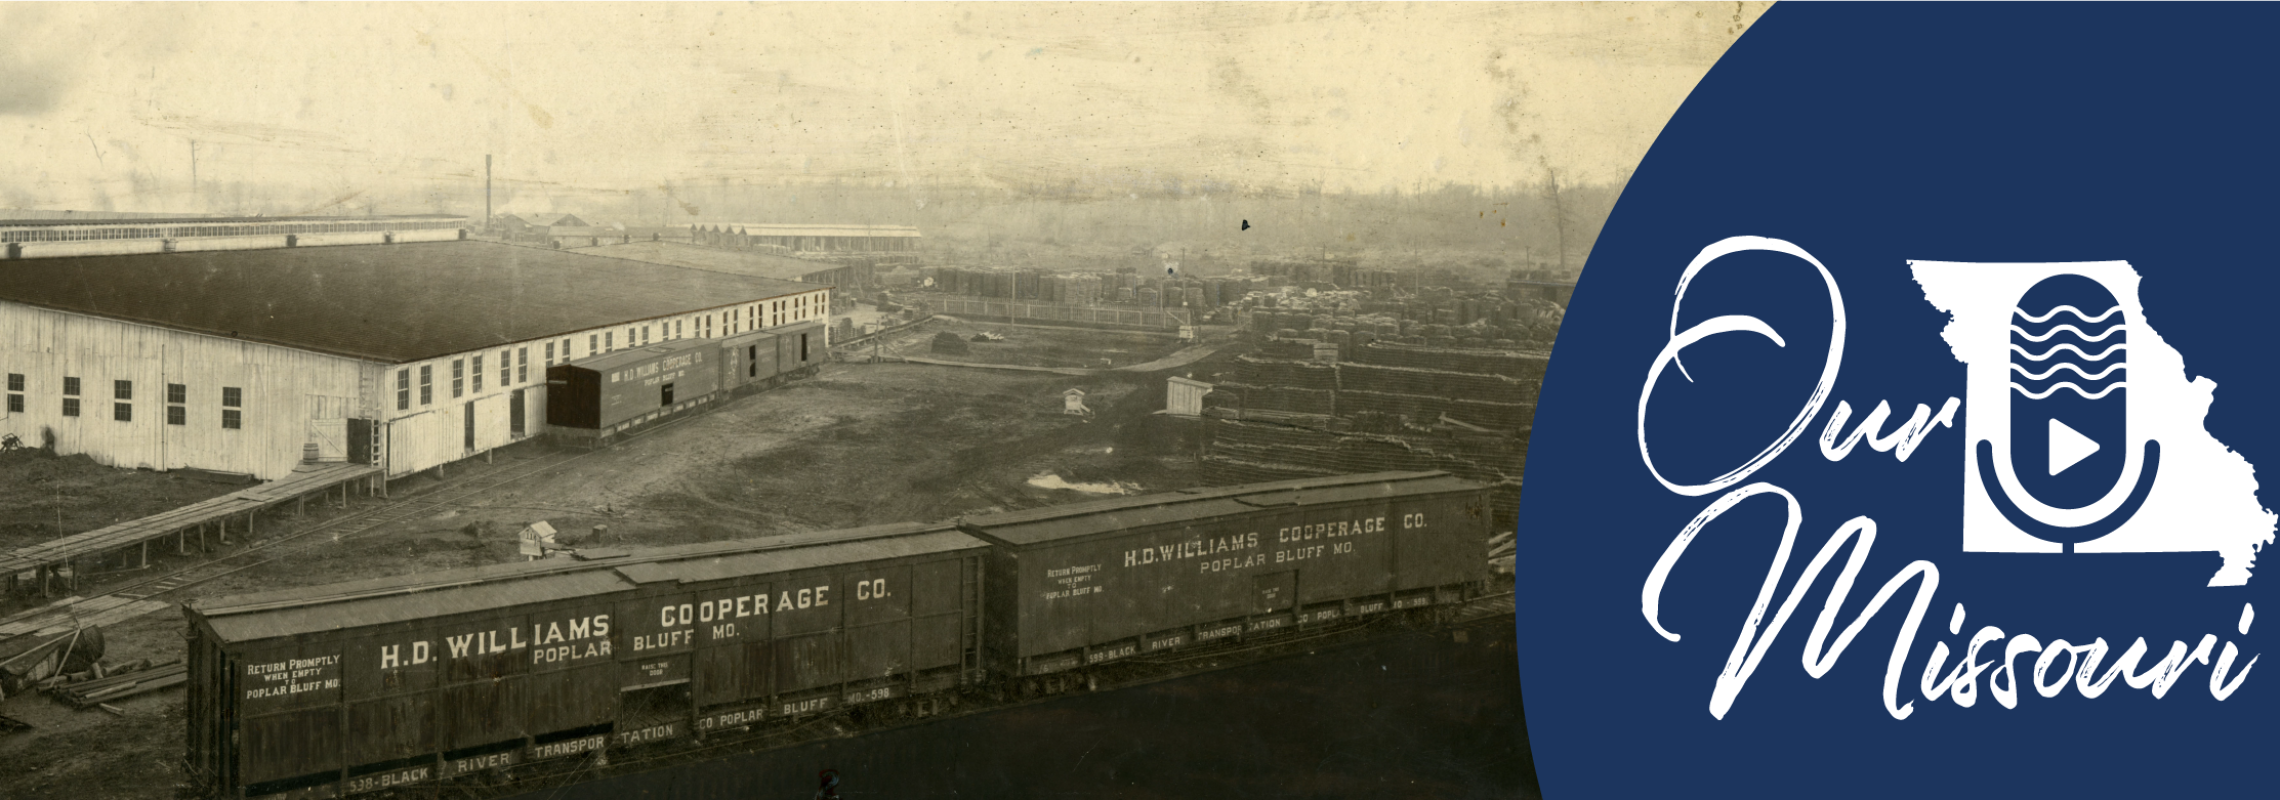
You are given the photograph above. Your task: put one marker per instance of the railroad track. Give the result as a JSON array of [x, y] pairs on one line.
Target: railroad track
[[262, 552]]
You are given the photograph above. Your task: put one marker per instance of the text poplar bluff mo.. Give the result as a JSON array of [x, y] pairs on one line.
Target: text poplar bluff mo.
[[1960, 684], [589, 636], [1301, 535]]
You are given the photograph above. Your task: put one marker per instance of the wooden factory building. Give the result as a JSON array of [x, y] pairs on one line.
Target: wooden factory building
[[408, 356]]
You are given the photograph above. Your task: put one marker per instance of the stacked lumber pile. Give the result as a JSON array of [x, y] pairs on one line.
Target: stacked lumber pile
[[122, 682]]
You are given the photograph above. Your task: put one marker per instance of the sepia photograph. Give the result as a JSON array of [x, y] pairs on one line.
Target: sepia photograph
[[863, 400]]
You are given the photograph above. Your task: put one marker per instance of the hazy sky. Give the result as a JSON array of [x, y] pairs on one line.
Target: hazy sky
[[100, 103]]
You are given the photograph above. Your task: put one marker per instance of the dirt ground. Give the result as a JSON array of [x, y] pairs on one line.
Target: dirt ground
[[36, 485], [1032, 345], [858, 444]]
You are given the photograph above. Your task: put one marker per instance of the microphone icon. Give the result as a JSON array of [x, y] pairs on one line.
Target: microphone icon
[[2068, 400]]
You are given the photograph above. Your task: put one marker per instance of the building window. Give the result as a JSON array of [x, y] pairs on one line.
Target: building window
[[122, 390], [477, 373], [676, 329], [232, 398], [403, 389], [177, 393], [231, 420], [123, 412], [15, 382], [71, 386], [522, 365], [609, 341], [566, 351], [176, 415], [458, 377], [427, 384], [506, 367], [15, 404], [550, 354], [71, 406]]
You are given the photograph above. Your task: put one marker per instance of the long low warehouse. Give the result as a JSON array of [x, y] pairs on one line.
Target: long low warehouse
[[406, 356]]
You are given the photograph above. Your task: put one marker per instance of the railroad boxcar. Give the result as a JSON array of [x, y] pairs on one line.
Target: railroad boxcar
[[751, 362], [357, 687], [802, 346], [591, 400], [1089, 583], [748, 362]]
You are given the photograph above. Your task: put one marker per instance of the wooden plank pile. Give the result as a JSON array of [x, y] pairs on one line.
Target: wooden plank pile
[[120, 685]]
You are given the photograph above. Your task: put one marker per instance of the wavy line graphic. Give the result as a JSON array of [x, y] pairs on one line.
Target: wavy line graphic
[[2045, 375], [2086, 319], [2046, 354], [2070, 385], [2109, 331]]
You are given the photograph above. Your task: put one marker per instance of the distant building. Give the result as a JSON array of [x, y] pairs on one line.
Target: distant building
[[1540, 288], [1184, 397], [56, 238], [568, 237], [805, 239], [756, 264], [569, 221]]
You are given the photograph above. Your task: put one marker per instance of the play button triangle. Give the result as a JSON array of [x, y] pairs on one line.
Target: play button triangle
[[2068, 447]]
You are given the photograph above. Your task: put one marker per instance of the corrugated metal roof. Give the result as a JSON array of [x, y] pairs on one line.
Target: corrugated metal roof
[[681, 254], [1053, 523], [406, 598], [390, 303]]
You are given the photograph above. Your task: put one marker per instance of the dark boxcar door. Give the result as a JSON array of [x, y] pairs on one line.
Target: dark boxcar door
[[720, 674], [572, 698], [759, 669], [291, 744], [938, 607], [806, 662], [878, 651], [390, 728], [480, 713], [1443, 540]]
